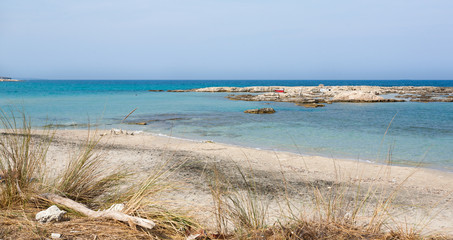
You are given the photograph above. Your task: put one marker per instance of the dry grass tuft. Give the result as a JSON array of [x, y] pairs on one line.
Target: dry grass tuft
[[314, 230], [139, 200], [21, 159], [245, 209], [217, 188], [84, 178]]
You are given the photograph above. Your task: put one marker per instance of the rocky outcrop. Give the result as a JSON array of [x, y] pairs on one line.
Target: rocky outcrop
[[310, 105], [260, 89], [8, 79], [137, 123], [359, 96], [307, 96], [260, 111], [179, 90]]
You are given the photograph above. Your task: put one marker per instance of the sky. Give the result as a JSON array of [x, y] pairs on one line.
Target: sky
[[226, 39]]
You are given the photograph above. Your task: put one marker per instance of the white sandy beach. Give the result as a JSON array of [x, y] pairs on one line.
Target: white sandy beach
[[425, 196]]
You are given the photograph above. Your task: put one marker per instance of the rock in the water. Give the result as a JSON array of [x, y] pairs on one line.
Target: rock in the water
[[53, 213], [178, 90], [140, 123], [311, 105], [260, 111]]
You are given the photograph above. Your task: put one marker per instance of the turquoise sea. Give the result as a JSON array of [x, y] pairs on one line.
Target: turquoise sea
[[420, 132]]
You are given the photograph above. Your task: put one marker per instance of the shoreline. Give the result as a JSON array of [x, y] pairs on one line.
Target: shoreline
[[413, 165], [78, 133], [276, 151], [409, 164], [421, 165], [141, 153]]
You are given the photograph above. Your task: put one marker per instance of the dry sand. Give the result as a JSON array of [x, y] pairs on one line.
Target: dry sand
[[425, 196]]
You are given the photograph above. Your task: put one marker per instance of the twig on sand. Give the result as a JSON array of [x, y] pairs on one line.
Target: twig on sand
[[119, 216]]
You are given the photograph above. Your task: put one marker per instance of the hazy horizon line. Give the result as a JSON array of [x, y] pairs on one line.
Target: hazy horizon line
[[155, 79]]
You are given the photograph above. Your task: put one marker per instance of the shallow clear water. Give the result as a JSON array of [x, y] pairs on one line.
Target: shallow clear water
[[419, 131]]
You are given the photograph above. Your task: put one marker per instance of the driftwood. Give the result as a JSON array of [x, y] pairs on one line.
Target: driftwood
[[131, 220], [128, 115]]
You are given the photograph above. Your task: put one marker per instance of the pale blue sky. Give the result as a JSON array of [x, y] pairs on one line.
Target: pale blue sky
[[226, 39]]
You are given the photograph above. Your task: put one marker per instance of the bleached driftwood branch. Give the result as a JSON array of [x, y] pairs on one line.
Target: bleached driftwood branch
[[131, 220]]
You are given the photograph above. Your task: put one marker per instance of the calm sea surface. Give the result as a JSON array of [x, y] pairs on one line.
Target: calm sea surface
[[420, 132]]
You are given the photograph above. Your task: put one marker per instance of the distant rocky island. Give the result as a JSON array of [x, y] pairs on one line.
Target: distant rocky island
[[318, 95], [8, 79]]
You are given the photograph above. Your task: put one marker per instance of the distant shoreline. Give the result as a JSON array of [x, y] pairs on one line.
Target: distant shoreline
[[10, 80], [316, 96]]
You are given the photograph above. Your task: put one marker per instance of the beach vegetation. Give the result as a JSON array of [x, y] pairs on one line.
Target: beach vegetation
[[140, 200], [22, 158], [346, 208], [244, 208], [24, 185], [85, 177]]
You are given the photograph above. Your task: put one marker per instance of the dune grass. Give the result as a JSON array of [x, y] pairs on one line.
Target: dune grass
[[84, 178], [22, 158]]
